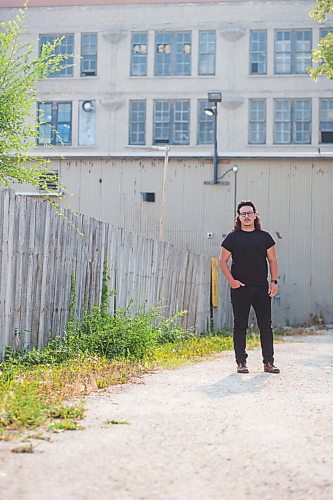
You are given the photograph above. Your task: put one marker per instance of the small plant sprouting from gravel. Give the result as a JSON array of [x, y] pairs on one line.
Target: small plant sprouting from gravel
[[116, 422]]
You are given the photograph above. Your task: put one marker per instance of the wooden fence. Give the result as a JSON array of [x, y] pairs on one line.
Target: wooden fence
[[40, 251]]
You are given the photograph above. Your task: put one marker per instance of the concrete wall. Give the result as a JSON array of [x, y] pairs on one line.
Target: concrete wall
[[113, 86]]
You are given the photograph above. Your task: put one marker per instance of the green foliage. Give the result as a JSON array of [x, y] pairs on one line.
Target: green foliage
[[322, 9], [67, 424], [116, 422], [323, 53], [123, 334], [130, 333], [20, 405], [99, 350], [20, 71], [56, 351]]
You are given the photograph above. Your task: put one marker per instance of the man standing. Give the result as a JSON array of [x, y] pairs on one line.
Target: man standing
[[250, 247]]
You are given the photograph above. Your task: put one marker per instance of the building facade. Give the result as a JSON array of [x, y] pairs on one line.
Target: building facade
[[135, 146]]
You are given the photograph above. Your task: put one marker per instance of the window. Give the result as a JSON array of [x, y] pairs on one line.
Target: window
[[137, 122], [292, 121], [173, 53], [88, 54], [258, 52], [326, 120], [207, 49], [205, 123], [149, 197], [54, 123], [139, 49], [257, 121], [324, 32], [65, 47], [292, 51], [171, 122]]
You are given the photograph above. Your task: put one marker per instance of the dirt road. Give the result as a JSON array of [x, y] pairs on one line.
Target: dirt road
[[199, 432]]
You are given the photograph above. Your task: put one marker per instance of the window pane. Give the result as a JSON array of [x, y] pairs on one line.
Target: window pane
[[44, 116], [66, 47], [205, 124], [63, 135], [163, 52], [162, 122], [207, 49], [257, 121], [302, 117], [282, 122], [181, 122], [171, 122], [54, 123], [282, 52], [44, 134], [139, 50], [88, 54], [303, 47], [258, 52], [292, 121], [137, 122], [63, 112], [292, 51], [173, 53], [326, 120], [183, 54]]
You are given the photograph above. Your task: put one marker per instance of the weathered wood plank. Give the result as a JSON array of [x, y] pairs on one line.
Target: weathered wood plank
[[39, 252]]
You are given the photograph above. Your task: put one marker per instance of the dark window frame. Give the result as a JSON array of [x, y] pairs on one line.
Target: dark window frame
[[67, 70], [89, 56], [168, 127], [54, 123]]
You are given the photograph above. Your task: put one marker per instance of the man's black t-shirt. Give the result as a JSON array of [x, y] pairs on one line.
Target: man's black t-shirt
[[249, 255]]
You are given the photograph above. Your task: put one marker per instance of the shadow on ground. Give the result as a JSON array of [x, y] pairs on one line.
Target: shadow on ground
[[236, 384]]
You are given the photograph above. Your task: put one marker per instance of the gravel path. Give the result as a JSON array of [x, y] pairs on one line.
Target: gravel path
[[199, 432]]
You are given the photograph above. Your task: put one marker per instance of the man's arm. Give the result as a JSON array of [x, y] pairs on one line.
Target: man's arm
[[273, 269], [224, 258]]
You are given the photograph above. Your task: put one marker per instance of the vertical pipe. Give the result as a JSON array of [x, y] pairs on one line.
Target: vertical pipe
[[164, 189], [215, 159], [235, 194]]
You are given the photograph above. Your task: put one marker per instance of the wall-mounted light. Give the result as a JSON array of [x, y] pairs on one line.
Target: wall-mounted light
[[87, 106], [210, 111]]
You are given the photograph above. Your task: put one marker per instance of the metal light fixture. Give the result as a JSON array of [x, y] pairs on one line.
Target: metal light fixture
[[87, 106], [209, 111], [214, 96]]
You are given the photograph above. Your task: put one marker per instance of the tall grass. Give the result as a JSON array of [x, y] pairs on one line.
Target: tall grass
[[97, 351]]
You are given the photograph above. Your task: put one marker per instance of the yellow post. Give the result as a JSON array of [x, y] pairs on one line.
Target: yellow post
[[215, 281]]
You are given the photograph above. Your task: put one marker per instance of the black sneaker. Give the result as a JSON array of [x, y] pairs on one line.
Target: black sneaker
[[242, 368], [270, 368]]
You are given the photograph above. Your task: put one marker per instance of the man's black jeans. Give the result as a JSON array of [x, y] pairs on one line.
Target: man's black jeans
[[242, 299]]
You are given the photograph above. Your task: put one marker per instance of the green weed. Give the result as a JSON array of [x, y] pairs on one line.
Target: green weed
[[100, 350], [116, 422], [26, 448], [67, 424]]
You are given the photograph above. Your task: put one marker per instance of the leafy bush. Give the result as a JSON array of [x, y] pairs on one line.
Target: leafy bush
[[113, 336], [128, 333]]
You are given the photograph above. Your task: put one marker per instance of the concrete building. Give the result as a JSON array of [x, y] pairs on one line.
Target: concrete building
[[137, 146]]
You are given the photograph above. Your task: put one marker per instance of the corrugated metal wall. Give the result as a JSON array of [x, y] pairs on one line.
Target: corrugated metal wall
[[293, 196]]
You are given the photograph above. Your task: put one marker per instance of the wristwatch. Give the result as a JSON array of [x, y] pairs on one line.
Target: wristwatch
[[274, 281]]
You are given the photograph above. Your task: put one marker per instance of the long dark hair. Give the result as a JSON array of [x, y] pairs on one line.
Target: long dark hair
[[237, 225]]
